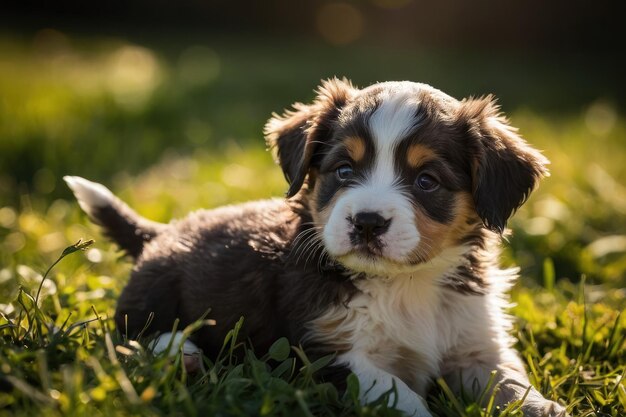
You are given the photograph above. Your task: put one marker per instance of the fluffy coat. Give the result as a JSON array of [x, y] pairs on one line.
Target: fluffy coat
[[384, 252]]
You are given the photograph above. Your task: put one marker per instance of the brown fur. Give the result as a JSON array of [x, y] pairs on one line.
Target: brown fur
[[355, 147], [417, 154]]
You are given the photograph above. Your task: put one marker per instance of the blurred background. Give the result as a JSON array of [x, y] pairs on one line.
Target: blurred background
[[165, 102]]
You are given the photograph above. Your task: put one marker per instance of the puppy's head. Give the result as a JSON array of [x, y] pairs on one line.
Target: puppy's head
[[398, 172]]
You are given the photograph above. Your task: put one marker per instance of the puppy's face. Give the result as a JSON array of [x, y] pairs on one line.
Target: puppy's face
[[398, 172], [388, 191]]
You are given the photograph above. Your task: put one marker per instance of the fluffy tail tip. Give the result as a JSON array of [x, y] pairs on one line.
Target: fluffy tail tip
[[90, 195]]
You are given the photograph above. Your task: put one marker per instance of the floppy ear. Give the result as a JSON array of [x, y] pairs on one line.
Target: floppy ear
[[505, 168], [299, 134]]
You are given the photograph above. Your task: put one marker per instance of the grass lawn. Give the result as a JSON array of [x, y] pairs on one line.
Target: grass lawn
[[172, 126]]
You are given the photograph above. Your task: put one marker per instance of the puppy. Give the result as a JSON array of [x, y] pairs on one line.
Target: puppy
[[385, 251]]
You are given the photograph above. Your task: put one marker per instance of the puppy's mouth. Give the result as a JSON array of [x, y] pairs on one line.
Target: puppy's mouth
[[369, 256], [371, 262], [369, 250]]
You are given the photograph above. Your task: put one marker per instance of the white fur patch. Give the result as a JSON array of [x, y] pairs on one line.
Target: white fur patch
[[394, 119], [393, 312], [90, 195], [173, 341]]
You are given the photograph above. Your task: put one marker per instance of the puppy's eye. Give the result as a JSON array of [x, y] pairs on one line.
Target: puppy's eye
[[344, 172], [426, 182]]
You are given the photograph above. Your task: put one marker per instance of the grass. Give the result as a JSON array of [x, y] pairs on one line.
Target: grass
[[180, 139], [55, 364]]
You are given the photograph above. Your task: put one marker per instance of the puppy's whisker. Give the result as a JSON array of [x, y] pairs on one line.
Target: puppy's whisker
[[301, 250], [312, 248], [325, 259], [322, 254], [306, 249], [303, 235], [310, 230], [306, 243]]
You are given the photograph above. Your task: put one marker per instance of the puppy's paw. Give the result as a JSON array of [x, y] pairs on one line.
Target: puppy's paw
[[554, 409], [545, 408], [413, 406], [171, 342]]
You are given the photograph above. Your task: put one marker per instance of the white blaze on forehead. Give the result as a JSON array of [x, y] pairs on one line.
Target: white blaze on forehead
[[394, 118], [392, 121]]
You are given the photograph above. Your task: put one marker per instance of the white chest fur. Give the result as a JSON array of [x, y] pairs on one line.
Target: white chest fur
[[388, 336], [394, 324], [405, 330]]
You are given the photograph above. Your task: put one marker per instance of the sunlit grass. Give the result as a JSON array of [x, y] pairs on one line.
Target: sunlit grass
[[61, 356]]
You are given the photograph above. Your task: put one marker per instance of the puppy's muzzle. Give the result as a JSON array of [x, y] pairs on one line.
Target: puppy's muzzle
[[368, 226]]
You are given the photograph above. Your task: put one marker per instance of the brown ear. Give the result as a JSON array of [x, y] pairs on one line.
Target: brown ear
[[299, 134], [506, 169]]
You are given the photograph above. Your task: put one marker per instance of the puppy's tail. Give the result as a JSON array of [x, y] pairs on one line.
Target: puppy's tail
[[121, 223]]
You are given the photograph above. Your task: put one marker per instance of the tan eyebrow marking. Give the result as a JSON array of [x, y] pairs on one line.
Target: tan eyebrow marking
[[418, 154], [356, 147]]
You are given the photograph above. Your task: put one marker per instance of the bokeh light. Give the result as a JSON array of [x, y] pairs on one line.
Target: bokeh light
[[133, 74], [340, 23], [600, 118]]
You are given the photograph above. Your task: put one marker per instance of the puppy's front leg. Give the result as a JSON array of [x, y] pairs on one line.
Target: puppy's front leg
[[511, 380], [375, 381]]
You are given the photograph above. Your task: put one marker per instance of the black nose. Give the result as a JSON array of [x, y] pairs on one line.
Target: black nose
[[370, 225]]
